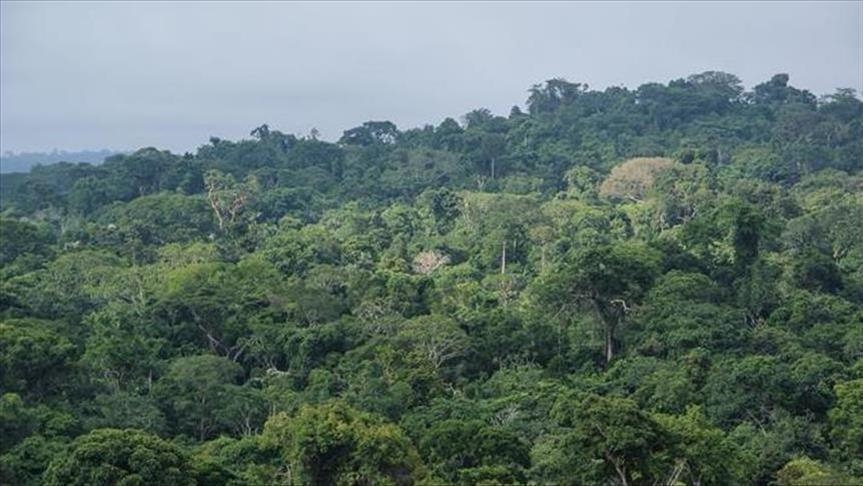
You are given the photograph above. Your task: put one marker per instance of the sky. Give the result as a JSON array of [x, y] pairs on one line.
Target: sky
[[124, 75]]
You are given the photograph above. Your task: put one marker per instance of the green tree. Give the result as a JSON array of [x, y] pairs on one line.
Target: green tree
[[463, 452], [612, 438], [229, 199], [371, 133], [197, 393], [846, 422], [805, 471], [127, 457], [89, 194], [607, 281], [335, 444], [34, 357], [435, 338], [702, 453], [20, 238], [25, 463]]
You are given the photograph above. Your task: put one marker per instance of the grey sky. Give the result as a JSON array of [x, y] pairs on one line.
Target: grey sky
[[124, 75]]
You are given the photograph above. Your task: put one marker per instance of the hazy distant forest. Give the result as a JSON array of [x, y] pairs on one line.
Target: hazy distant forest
[[24, 161], [621, 287]]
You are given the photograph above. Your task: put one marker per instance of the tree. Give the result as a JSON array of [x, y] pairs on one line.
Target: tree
[[462, 452], [140, 173], [478, 119], [196, 392], [492, 147], [19, 238], [612, 438], [18, 421], [831, 230], [846, 422], [371, 133], [134, 228], [702, 453], [805, 471], [750, 388], [214, 304], [634, 178], [777, 91], [448, 135], [227, 198], [685, 311], [25, 463], [608, 281], [435, 338], [34, 358], [122, 350], [682, 192], [333, 443], [554, 93], [726, 86], [89, 194], [261, 132], [125, 410], [444, 205], [15, 421], [112, 456]]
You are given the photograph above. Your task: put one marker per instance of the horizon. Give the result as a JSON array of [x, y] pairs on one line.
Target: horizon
[[119, 76], [334, 138]]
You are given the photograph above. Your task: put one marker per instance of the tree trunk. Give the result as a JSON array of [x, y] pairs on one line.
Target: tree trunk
[[621, 471], [503, 259], [608, 328], [542, 258], [609, 343]]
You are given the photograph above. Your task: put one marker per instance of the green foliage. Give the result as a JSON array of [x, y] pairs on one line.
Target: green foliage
[[607, 281], [113, 456], [335, 444], [371, 133], [201, 398], [34, 358], [805, 471], [18, 420], [702, 453], [657, 285], [466, 451], [25, 463], [20, 238], [611, 438], [846, 422], [152, 221]]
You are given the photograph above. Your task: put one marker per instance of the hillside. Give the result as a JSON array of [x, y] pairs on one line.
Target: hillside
[[661, 285]]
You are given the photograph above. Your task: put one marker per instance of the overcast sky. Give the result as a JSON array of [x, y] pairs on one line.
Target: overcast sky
[[123, 75]]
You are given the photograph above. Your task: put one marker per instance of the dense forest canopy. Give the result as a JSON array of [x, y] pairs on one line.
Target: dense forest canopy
[[658, 285]]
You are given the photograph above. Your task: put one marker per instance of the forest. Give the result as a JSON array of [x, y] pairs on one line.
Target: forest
[[22, 162], [660, 285]]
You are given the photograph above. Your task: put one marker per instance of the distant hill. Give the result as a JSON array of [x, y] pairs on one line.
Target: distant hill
[[22, 162]]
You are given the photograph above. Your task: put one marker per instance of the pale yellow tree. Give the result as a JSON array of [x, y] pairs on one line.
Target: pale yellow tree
[[634, 178]]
